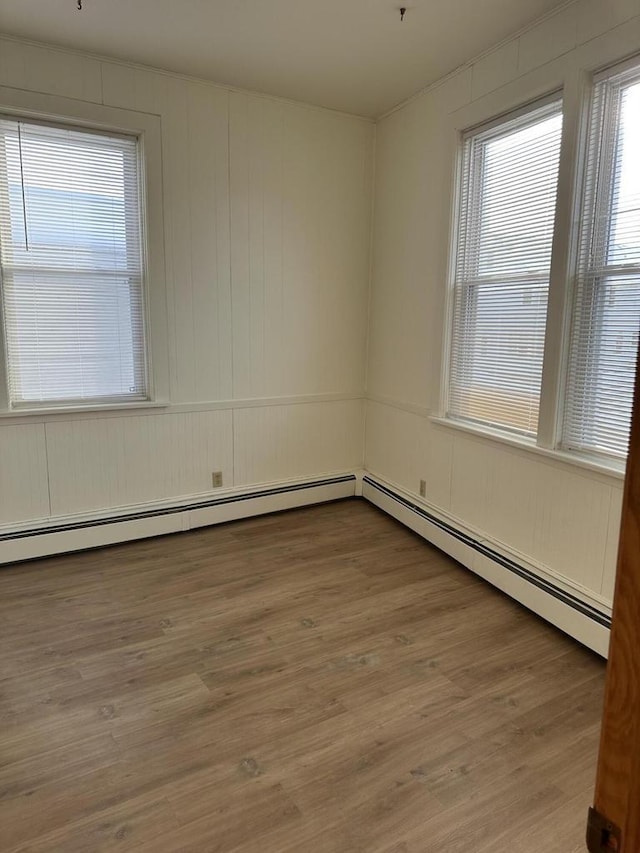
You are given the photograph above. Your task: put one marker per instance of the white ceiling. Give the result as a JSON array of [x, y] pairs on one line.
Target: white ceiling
[[352, 55]]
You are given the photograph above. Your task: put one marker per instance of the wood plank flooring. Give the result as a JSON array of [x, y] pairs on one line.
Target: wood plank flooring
[[320, 680]]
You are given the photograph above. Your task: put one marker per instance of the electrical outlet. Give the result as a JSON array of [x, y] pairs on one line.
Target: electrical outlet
[[423, 488], [216, 479]]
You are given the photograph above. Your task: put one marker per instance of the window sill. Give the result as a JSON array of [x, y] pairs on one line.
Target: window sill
[[42, 411], [589, 463]]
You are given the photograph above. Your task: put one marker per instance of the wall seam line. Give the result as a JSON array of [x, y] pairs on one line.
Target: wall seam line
[[46, 462]]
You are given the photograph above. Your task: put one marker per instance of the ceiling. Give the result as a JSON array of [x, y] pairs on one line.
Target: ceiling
[[352, 55]]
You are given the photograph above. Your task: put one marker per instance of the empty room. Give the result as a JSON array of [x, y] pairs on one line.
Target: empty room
[[319, 454]]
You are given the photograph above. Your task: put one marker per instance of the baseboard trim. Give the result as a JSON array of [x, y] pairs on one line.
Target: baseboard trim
[[566, 610], [563, 608], [75, 534]]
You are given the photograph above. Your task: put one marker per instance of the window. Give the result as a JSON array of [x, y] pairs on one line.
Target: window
[[71, 265], [507, 199], [606, 311], [502, 337]]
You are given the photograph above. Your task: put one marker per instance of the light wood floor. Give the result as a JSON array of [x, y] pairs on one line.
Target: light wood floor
[[320, 680]]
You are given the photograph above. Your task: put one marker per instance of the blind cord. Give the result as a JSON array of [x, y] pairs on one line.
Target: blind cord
[[24, 199]]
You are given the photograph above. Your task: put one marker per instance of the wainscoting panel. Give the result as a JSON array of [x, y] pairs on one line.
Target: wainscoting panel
[[403, 444], [554, 514], [118, 462], [613, 539], [304, 440], [23, 473]]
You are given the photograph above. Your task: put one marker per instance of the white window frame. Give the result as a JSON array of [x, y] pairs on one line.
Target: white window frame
[[576, 87], [146, 128], [594, 202], [484, 128]]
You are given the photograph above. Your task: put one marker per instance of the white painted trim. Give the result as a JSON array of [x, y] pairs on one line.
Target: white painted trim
[[147, 127], [40, 413], [558, 458], [563, 457], [123, 525], [110, 527], [48, 415], [453, 218], [412, 408], [572, 74], [360, 473], [555, 611]]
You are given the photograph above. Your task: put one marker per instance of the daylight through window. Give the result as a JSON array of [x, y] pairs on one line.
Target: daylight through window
[[71, 265]]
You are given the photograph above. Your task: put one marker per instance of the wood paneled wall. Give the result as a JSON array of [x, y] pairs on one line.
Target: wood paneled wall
[[548, 513], [267, 230]]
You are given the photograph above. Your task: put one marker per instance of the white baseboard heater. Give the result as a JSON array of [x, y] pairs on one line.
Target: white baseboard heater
[[78, 533], [586, 620], [558, 604]]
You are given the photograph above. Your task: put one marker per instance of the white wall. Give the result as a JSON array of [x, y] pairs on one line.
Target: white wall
[[267, 224], [553, 515]]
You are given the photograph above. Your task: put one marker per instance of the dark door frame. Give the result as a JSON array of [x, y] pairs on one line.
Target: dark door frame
[[614, 821]]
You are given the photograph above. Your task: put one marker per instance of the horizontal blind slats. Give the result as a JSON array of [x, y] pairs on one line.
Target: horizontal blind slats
[[606, 305], [506, 215], [71, 259]]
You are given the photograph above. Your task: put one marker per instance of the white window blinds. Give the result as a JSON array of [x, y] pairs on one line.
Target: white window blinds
[[606, 310], [507, 199], [71, 265]]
